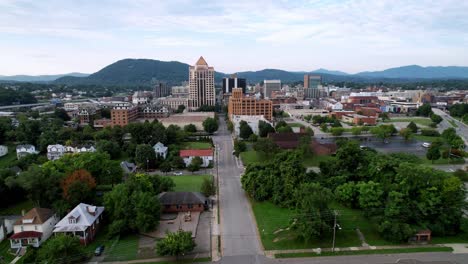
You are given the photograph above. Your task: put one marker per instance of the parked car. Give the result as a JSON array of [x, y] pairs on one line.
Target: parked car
[[426, 145], [98, 251], [177, 173]]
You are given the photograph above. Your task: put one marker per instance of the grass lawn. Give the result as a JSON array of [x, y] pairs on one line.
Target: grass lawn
[[425, 138], [196, 260], [314, 160], [101, 240], [418, 120], [196, 145], [270, 218], [251, 156], [295, 125], [16, 208], [7, 160], [188, 183], [125, 249], [452, 123], [4, 247], [366, 252]]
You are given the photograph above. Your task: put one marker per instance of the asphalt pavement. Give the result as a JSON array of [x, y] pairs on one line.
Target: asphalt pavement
[[462, 129], [237, 226]]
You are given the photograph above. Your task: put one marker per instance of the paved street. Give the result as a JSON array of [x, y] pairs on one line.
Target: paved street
[[462, 129], [238, 230]]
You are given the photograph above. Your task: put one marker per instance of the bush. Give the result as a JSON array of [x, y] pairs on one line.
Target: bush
[[430, 133]]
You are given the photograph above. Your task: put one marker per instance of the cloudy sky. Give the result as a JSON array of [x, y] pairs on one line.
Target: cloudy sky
[[58, 36]]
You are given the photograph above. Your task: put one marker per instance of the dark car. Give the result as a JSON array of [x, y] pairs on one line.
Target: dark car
[[98, 251]]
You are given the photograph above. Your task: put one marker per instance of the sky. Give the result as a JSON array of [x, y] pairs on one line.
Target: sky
[[58, 36]]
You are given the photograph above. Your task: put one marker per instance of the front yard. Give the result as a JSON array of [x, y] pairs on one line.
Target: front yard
[[188, 183], [4, 248], [252, 156], [417, 120], [125, 248], [196, 145]]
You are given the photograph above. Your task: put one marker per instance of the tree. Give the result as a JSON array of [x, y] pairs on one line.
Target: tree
[[424, 110], [208, 188], [433, 153], [384, 116], [406, 133], [370, 197], [436, 118], [337, 131], [165, 167], [177, 162], [266, 146], [175, 244], [281, 123], [347, 194], [230, 126], [61, 249], [195, 164], [61, 114], [244, 130], [239, 146], [210, 125], [356, 131], [145, 156], [383, 131], [111, 147], [190, 128], [284, 129], [264, 128], [78, 187], [180, 109], [304, 145], [413, 127]]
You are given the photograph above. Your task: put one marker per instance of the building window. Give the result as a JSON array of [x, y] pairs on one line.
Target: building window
[[22, 228], [35, 227]]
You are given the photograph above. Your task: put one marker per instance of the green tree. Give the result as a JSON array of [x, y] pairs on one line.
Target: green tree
[[244, 130], [180, 109], [337, 131], [384, 116], [195, 164], [145, 156], [413, 127], [347, 194], [356, 131], [264, 128], [383, 131], [210, 125], [284, 129], [436, 118], [111, 147], [304, 145], [370, 197], [61, 114], [175, 244], [433, 153], [165, 167], [230, 126], [61, 249], [266, 146], [406, 133], [208, 188], [239, 146], [190, 128], [177, 162], [424, 110]]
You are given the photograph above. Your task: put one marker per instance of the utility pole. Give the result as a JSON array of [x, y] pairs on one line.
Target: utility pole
[[335, 225]]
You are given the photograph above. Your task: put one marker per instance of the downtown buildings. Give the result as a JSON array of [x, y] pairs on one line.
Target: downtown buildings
[[241, 105], [201, 85]]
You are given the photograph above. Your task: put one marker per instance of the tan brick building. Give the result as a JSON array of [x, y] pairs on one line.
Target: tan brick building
[[123, 113], [242, 105]]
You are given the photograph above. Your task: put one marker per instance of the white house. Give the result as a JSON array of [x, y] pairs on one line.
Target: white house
[[83, 221], [85, 149], [3, 150], [23, 150], [160, 150], [252, 121], [33, 228], [205, 154], [6, 225], [55, 152]]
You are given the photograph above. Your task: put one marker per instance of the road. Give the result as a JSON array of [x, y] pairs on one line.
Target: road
[[462, 129], [238, 229]]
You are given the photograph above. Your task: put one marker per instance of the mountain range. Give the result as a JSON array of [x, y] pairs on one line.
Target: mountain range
[[140, 72]]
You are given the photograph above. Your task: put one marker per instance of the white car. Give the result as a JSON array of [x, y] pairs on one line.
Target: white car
[[426, 145], [178, 173]]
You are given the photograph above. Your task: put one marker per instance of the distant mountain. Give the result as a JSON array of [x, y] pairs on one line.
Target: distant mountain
[[325, 71], [136, 72], [40, 78], [416, 71]]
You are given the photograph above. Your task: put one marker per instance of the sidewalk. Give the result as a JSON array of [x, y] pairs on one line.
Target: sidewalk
[[458, 248]]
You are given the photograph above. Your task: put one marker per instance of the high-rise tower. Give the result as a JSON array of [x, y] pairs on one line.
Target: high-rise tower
[[201, 85]]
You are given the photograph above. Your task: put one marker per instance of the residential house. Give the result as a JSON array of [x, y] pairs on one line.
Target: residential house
[[128, 167], [33, 228], [88, 148], [205, 154], [6, 225], [3, 150], [160, 150], [55, 152], [23, 150], [173, 202], [83, 221]]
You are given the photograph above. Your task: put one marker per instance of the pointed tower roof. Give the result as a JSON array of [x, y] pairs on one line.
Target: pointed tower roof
[[201, 61]]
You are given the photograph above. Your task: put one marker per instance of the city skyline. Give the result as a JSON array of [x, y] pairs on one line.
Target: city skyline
[[54, 37]]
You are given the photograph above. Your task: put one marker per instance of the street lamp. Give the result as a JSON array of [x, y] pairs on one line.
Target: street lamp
[[335, 225]]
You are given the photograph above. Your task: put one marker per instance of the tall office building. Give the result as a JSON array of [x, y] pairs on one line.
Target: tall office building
[[270, 86], [234, 82], [312, 83], [161, 89], [201, 85]]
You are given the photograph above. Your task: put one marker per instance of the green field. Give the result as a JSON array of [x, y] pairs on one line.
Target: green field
[[252, 156], [366, 252], [418, 120], [125, 249], [188, 183], [4, 248], [425, 138], [196, 145], [8, 159], [16, 209]]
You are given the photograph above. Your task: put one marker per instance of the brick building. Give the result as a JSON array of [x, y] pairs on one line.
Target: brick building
[[173, 202], [243, 105], [123, 113]]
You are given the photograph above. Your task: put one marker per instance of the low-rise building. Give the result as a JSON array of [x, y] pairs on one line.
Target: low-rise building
[[205, 154], [173, 102], [6, 225], [181, 120], [3, 150], [34, 228], [160, 150], [24, 150], [128, 167], [123, 113], [83, 222], [151, 112], [173, 202], [55, 152], [140, 97], [252, 121]]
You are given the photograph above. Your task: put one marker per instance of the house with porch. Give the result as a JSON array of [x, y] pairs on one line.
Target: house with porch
[[24, 150], [205, 154], [160, 150], [33, 228], [83, 221], [55, 152]]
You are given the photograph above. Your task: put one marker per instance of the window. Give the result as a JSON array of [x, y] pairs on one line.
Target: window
[[22, 228], [35, 227]]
